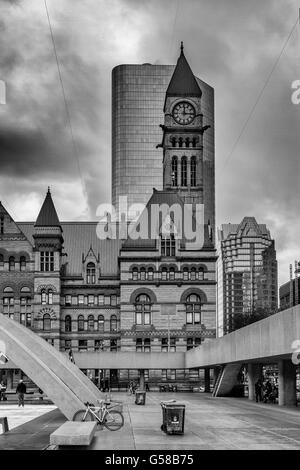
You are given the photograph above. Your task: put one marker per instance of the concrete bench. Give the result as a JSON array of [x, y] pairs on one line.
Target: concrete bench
[[4, 423], [73, 433]]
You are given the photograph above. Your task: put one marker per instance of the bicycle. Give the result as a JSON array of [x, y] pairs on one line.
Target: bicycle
[[111, 419]]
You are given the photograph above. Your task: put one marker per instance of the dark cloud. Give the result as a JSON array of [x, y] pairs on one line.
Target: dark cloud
[[231, 45]]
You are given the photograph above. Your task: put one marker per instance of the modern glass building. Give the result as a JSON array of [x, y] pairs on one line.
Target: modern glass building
[[138, 94], [247, 274]]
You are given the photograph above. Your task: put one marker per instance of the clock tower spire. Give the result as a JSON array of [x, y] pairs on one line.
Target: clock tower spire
[[183, 134]]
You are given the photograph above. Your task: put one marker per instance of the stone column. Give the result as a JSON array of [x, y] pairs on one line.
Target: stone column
[[286, 383], [9, 379], [142, 379], [254, 373], [207, 380]]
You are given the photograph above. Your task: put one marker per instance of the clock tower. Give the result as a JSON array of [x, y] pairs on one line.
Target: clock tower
[[183, 135]]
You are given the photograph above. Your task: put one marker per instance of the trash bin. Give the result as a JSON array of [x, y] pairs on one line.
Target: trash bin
[[140, 397], [173, 417]]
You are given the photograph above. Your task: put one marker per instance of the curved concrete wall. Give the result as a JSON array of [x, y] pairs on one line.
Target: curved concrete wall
[[53, 372], [55, 360], [42, 375]]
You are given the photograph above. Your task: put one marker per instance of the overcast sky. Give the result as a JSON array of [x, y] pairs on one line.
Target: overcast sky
[[230, 44]]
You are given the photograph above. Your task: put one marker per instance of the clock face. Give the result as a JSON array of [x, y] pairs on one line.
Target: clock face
[[184, 113]]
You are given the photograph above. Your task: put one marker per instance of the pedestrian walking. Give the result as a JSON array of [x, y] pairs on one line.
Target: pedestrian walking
[[21, 390], [71, 357], [258, 390]]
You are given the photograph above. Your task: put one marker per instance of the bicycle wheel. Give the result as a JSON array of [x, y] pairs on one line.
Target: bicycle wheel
[[83, 415], [113, 420]]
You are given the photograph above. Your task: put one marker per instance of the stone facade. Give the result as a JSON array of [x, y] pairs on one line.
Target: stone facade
[[91, 295]]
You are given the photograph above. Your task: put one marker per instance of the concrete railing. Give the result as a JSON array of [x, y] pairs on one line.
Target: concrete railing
[[264, 341]]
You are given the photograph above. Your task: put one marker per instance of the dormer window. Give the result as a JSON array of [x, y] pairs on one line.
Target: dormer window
[[168, 245], [91, 273]]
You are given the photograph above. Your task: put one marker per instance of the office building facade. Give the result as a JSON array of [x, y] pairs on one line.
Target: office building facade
[[246, 273], [138, 97]]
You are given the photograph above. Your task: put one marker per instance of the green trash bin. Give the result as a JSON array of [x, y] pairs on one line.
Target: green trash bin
[[140, 397], [173, 417]]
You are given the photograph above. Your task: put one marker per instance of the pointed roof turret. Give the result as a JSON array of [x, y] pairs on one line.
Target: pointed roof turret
[[48, 216], [183, 81]]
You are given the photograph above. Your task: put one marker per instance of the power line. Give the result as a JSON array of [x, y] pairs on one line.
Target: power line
[[66, 104], [260, 94], [174, 26]]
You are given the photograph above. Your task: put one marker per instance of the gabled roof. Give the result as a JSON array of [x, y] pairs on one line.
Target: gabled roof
[[159, 199], [248, 227], [48, 216], [12, 228], [78, 238], [183, 81]]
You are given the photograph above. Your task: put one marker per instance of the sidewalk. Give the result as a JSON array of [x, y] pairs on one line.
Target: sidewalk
[[211, 423]]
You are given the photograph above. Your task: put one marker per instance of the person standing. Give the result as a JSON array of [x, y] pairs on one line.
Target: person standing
[[258, 390], [21, 390], [2, 391]]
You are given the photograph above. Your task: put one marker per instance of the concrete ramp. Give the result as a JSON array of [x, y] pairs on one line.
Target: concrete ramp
[[51, 370], [227, 379]]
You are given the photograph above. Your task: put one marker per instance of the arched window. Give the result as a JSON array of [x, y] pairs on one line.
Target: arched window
[[194, 142], [193, 171], [172, 274], [113, 323], [180, 141], [68, 324], [2, 224], [135, 274], [174, 171], [193, 274], [7, 290], [201, 274], [193, 310], [101, 323], [183, 171], [187, 142], [185, 274], [143, 274], [50, 296], [91, 323], [164, 274], [143, 310], [12, 263], [80, 323], [46, 322], [25, 290], [173, 140], [1, 261], [150, 274], [43, 297], [22, 263], [90, 273]]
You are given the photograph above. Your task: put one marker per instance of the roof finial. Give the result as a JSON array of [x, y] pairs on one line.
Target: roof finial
[[181, 47], [48, 189]]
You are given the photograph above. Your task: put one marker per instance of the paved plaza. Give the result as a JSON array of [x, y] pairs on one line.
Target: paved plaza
[[211, 423]]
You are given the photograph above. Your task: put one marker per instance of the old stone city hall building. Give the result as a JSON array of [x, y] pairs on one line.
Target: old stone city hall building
[[91, 295]]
